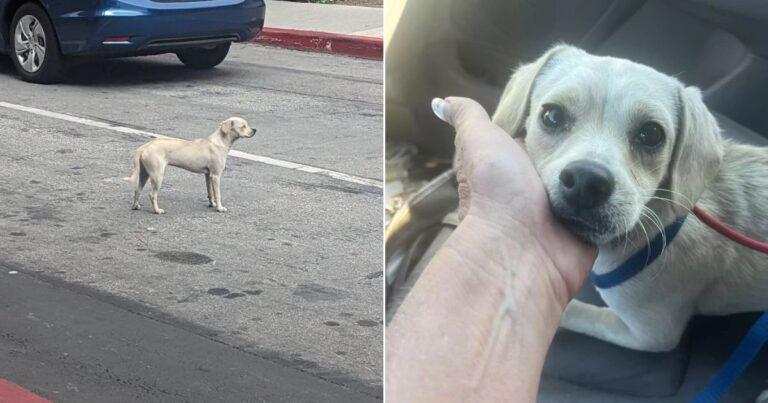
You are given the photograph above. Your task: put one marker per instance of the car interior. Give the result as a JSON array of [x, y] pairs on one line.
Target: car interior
[[453, 47]]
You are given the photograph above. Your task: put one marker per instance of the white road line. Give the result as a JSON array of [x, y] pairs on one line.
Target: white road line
[[238, 154]]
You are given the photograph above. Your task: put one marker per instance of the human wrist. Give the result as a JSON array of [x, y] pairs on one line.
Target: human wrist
[[487, 301], [491, 251], [538, 234], [479, 321]]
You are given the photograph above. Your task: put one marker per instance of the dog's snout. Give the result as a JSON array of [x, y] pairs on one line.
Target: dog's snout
[[253, 131], [586, 184]]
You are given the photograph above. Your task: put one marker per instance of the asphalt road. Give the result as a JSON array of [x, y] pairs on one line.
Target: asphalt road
[[287, 283]]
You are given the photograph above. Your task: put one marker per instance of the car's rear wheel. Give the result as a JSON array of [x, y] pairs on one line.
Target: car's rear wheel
[[204, 58], [34, 46]]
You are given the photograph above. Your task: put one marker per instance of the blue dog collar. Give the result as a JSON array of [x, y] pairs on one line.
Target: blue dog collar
[[640, 260]]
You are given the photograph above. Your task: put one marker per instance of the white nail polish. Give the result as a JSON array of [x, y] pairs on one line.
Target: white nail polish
[[438, 107]]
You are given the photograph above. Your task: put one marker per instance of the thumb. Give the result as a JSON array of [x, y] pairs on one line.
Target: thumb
[[460, 112]]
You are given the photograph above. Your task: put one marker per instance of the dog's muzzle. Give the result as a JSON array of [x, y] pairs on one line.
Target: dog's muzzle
[[586, 185], [581, 198]]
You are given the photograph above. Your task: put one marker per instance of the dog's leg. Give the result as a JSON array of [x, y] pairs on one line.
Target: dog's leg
[[663, 331], [156, 181], [136, 205], [209, 186], [216, 182], [139, 186]]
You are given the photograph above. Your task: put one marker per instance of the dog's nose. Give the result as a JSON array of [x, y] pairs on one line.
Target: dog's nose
[[586, 184], [253, 131]]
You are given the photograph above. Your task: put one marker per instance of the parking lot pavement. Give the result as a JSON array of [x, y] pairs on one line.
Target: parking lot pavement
[[315, 108], [291, 273]]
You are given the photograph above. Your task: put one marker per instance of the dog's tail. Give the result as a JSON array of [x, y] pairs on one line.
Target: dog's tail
[[136, 170]]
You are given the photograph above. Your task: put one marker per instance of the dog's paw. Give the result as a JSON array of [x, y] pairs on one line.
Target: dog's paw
[[136, 207], [159, 211], [221, 209], [763, 398], [574, 316], [211, 204]]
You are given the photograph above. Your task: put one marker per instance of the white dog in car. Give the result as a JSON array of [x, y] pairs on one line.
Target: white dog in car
[[624, 152]]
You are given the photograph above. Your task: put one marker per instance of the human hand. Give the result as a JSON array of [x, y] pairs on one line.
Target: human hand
[[478, 322], [500, 188]]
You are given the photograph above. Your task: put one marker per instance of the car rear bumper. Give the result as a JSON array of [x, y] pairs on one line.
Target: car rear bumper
[[134, 27]]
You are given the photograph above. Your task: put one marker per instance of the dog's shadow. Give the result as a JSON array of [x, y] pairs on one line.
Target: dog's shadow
[[129, 71]]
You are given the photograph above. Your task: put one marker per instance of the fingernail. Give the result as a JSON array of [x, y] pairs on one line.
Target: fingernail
[[438, 107]]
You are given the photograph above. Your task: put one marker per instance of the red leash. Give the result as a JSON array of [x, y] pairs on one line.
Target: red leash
[[736, 236]]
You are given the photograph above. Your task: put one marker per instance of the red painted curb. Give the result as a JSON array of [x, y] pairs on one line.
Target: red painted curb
[[350, 45], [13, 393]]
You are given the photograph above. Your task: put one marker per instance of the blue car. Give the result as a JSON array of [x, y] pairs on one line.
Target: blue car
[[43, 36]]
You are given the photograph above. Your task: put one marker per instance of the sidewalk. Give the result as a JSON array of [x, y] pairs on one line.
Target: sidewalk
[[350, 30], [349, 20]]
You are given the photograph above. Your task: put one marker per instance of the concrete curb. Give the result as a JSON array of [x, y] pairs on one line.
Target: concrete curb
[[11, 392], [350, 45]]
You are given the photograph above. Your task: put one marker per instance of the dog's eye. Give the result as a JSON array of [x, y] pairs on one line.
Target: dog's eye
[[553, 116], [650, 135]]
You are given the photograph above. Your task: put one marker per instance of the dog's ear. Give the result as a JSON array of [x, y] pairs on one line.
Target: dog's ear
[[697, 153], [515, 102], [226, 126]]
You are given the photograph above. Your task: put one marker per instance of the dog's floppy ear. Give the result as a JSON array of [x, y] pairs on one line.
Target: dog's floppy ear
[[697, 153], [515, 103], [226, 126]]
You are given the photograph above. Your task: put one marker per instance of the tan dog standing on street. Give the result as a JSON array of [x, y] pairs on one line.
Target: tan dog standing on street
[[207, 156]]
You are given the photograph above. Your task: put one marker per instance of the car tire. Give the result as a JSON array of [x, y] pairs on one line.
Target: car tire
[[204, 58], [35, 52]]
